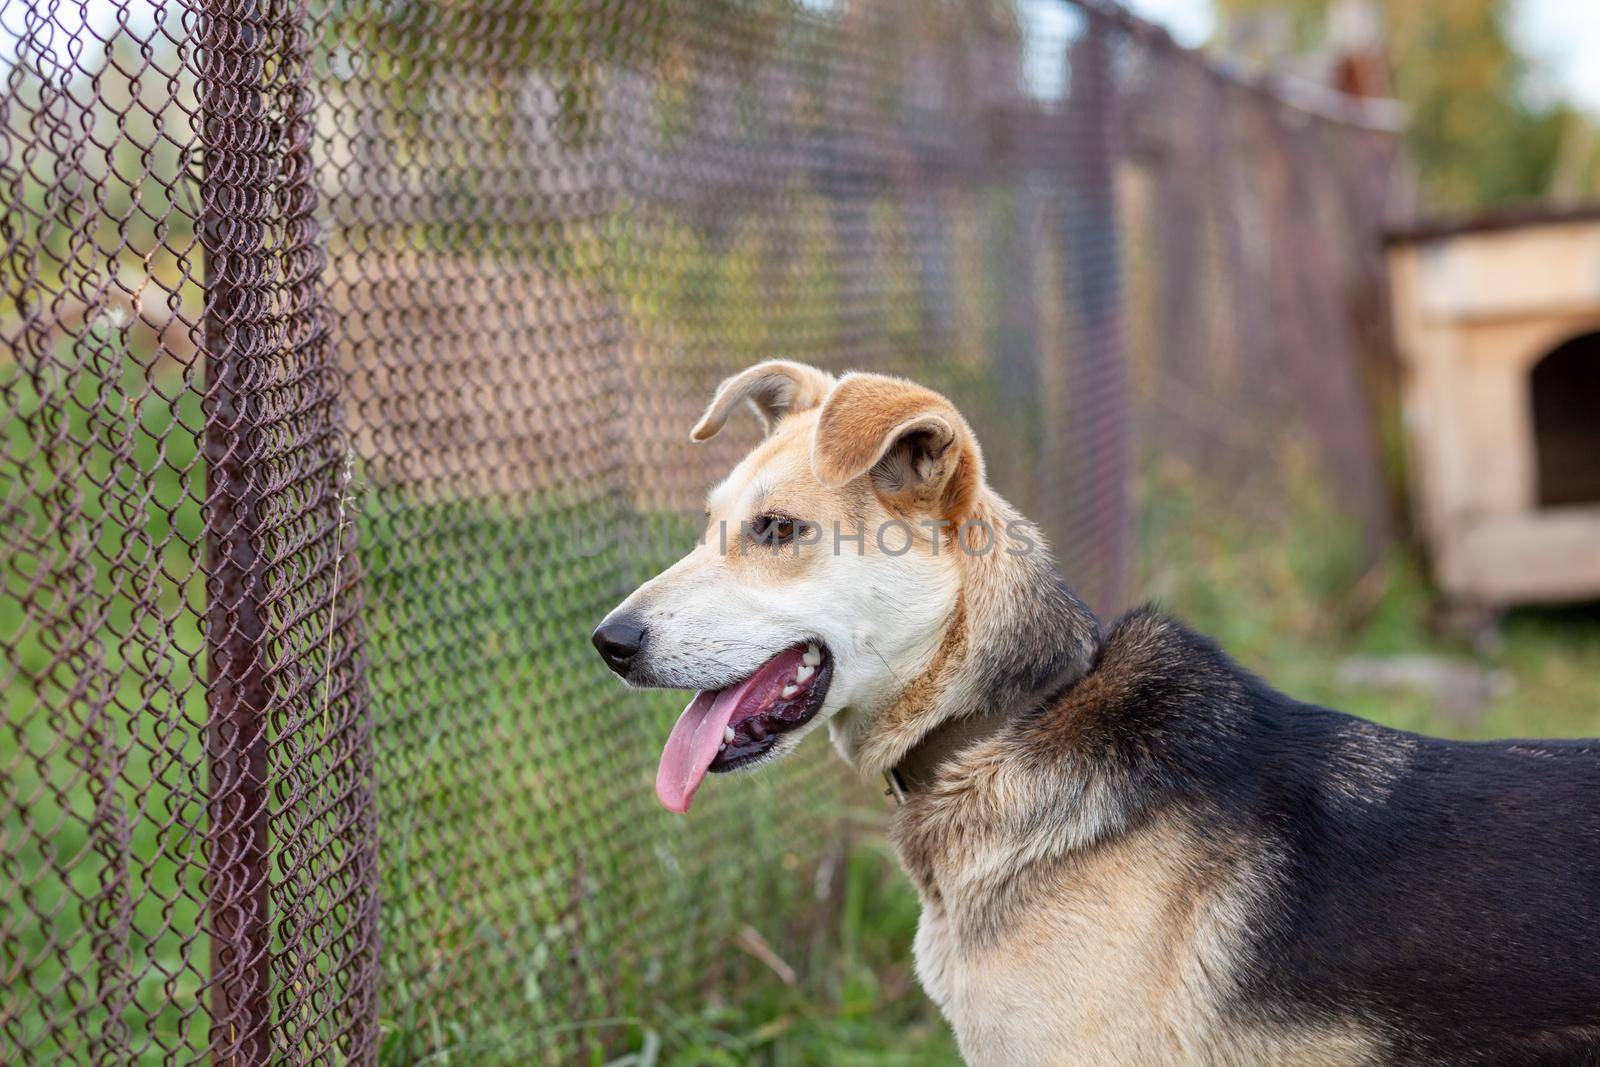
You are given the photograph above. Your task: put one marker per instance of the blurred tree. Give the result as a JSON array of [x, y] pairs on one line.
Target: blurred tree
[[1478, 137]]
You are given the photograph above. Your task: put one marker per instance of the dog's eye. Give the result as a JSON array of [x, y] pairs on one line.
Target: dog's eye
[[776, 529]]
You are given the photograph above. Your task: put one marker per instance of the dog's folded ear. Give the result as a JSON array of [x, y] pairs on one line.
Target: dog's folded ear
[[918, 450], [775, 388]]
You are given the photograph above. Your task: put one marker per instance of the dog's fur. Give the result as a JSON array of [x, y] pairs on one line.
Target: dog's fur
[[1156, 859]]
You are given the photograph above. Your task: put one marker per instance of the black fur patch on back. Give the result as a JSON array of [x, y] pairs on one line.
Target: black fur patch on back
[[1445, 893]]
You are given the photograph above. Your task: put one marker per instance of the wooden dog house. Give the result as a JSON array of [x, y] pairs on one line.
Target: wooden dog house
[[1498, 323]]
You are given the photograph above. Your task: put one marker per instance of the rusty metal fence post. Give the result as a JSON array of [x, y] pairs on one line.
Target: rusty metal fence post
[[292, 922], [235, 192]]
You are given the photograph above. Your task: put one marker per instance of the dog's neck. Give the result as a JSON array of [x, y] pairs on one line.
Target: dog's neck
[[1016, 636]]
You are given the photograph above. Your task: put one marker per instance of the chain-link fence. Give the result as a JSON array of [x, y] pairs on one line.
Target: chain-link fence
[[348, 351]]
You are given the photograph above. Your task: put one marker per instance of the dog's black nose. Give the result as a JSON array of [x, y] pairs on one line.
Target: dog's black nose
[[618, 641]]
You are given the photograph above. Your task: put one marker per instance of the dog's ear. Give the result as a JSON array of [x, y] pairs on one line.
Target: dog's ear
[[911, 441], [775, 388]]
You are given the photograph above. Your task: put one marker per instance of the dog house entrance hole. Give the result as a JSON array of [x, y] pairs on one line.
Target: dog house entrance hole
[[1566, 422]]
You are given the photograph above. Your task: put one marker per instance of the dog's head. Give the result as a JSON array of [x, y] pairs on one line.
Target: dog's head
[[826, 576]]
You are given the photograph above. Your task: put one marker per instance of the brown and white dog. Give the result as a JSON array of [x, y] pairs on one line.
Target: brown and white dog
[[1128, 849]]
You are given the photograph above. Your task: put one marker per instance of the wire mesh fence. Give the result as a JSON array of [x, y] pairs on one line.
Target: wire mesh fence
[[348, 351]]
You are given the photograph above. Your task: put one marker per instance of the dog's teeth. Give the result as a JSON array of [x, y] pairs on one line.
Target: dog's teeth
[[812, 657], [723, 747], [727, 735], [802, 673], [790, 690]]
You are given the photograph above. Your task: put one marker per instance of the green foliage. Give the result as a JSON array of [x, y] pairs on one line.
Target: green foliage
[[1476, 135]]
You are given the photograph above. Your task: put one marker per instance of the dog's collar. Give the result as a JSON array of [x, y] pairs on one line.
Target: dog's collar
[[922, 762], [920, 766]]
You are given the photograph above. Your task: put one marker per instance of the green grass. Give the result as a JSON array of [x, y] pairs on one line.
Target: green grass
[[854, 1003]]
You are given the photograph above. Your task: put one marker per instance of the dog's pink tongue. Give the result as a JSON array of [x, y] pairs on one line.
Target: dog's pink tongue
[[695, 738], [693, 744]]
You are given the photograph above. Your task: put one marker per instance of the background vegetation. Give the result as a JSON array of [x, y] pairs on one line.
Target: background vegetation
[[1479, 131]]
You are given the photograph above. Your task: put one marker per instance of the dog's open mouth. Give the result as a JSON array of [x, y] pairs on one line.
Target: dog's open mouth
[[723, 729]]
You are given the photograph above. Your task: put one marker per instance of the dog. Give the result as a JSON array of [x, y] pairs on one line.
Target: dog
[[1128, 849]]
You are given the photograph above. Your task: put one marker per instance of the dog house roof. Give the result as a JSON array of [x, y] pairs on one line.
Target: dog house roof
[[1445, 227]]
